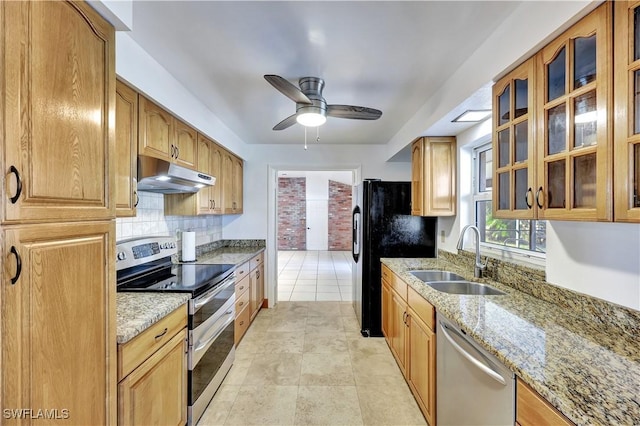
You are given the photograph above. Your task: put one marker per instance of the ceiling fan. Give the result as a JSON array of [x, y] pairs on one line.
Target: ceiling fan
[[311, 108]]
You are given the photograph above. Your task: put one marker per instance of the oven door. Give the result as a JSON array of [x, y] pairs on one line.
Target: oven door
[[211, 353]]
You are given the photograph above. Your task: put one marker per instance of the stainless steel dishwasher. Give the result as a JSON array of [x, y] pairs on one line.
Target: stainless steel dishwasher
[[473, 387]]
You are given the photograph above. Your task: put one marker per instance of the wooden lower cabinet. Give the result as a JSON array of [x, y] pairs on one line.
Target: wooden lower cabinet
[[398, 327], [152, 374], [249, 290], [408, 322], [57, 310], [421, 365], [155, 393], [533, 410]]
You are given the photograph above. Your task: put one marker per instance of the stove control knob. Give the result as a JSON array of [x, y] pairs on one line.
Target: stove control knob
[[173, 245], [121, 256]]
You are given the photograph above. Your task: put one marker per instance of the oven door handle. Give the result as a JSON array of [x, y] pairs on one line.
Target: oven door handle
[[207, 297], [220, 330]]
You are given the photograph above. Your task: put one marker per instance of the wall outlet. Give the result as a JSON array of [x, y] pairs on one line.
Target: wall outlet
[[442, 236]]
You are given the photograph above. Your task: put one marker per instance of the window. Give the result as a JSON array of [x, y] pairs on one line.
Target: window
[[506, 234]]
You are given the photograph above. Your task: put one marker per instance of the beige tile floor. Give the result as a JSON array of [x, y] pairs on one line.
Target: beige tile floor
[[305, 363], [310, 275]]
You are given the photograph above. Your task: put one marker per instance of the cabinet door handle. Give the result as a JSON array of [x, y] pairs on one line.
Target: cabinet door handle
[[538, 192], [177, 151], [526, 197], [163, 333], [214, 204], [14, 251], [257, 275], [15, 198], [173, 151], [137, 198]]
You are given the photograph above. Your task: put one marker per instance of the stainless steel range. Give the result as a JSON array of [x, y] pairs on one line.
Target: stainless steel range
[[144, 264]]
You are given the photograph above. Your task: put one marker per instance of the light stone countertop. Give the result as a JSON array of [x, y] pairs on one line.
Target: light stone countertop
[[137, 311], [229, 255], [589, 372]]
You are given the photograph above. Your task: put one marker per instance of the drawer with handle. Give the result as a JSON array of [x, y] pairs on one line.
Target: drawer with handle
[[134, 352], [242, 286], [242, 271], [241, 301], [242, 323], [256, 261]]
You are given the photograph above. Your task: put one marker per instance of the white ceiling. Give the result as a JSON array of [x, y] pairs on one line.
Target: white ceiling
[[388, 55]]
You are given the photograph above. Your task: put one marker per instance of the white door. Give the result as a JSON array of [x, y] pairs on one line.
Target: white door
[[317, 224]]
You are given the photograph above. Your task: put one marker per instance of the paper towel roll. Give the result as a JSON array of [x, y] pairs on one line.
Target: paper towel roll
[[188, 246]]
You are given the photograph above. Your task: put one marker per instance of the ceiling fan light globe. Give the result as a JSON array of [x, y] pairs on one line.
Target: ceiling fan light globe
[[311, 119]]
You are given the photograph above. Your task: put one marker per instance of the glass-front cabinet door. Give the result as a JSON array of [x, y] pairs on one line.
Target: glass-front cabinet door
[[627, 111], [513, 144], [574, 148]]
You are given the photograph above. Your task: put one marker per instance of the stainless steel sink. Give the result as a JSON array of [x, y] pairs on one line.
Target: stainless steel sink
[[464, 287], [434, 275]]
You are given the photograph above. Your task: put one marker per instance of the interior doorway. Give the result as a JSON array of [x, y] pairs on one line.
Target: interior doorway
[[313, 222]]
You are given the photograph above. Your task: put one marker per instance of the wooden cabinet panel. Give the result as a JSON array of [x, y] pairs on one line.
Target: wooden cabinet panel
[[574, 98], [421, 365], [514, 148], [386, 310], [627, 113], [242, 286], [256, 285], [59, 109], [58, 319], [156, 132], [232, 193], [416, 177], [422, 308], [185, 145], [134, 352], [155, 393], [126, 161], [533, 410], [398, 327], [243, 320], [242, 299], [433, 191], [399, 286], [215, 193]]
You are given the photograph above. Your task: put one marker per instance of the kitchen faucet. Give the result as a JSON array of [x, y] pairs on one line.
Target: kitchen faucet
[[479, 267]]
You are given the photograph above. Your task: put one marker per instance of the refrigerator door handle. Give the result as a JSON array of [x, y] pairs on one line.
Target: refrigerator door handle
[[355, 251]]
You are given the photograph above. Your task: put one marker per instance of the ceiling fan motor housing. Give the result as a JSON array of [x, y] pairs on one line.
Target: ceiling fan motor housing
[[312, 88]]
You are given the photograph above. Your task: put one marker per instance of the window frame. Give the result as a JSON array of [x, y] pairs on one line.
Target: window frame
[[497, 250]]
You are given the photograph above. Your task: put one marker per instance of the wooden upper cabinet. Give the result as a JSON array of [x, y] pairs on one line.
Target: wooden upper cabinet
[[163, 136], [156, 132], [58, 320], [232, 181], [436, 175], [216, 171], [185, 145], [574, 94], [59, 110], [126, 163], [416, 177], [514, 155], [627, 111]]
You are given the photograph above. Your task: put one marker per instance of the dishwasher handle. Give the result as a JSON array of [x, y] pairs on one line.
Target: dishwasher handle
[[488, 371]]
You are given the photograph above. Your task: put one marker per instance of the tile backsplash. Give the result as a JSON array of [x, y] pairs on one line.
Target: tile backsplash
[[150, 220]]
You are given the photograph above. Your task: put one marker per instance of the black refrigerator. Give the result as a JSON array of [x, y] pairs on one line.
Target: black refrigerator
[[383, 227]]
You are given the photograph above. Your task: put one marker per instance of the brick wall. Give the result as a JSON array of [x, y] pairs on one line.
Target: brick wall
[[292, 214], [339, 216]]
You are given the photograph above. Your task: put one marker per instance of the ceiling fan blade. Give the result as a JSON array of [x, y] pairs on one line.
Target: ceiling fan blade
[[287, 89], [286, 123], [354, 112]]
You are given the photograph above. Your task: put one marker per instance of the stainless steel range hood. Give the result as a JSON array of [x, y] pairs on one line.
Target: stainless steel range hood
[[155, 175]]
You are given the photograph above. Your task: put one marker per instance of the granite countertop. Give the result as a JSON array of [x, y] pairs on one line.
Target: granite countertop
[[232, 255], [137, 311], [589, 373]]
